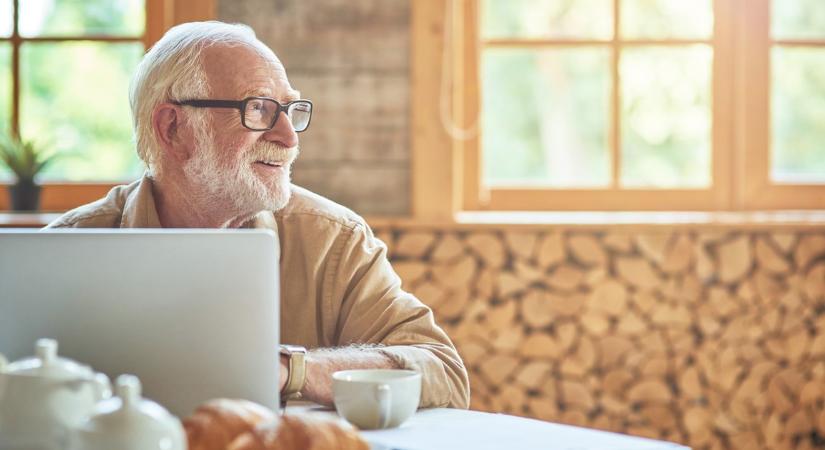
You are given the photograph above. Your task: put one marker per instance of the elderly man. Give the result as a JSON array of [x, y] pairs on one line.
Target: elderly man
[[215, 121]]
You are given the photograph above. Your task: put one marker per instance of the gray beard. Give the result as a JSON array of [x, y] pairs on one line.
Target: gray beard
[[236, 186]]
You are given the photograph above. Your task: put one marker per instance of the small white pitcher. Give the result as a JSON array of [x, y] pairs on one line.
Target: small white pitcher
[[129, 422]]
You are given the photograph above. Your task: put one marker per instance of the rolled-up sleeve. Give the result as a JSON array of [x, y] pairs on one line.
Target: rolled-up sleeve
[[375, 310]]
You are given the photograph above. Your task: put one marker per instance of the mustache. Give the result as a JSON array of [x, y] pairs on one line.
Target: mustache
[[269, 151]]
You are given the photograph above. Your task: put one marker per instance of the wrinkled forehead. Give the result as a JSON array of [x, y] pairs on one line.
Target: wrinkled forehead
[[238, 71]]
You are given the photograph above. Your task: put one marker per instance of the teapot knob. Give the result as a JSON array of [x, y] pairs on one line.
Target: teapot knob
[[46, 350], [128, 388]]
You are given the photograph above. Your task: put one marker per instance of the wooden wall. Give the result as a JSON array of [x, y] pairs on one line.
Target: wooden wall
[[351, 57]]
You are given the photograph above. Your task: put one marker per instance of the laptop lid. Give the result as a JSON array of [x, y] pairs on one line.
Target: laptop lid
[[192, 313]]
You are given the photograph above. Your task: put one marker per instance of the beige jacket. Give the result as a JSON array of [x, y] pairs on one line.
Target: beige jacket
[[337, 286]]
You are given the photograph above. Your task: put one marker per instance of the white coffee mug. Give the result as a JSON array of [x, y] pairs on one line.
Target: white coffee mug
[[376, 398]]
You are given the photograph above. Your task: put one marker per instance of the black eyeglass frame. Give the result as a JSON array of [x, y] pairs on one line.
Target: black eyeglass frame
[[240, 105]]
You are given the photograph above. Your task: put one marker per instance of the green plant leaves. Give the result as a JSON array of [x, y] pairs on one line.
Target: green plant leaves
[[24, 158]]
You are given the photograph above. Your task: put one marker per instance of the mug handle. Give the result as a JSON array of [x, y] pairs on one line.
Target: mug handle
[[384, 398]]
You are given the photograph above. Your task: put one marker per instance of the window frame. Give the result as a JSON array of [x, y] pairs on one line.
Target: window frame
[[160, 16], [739, 179], [754, 129]]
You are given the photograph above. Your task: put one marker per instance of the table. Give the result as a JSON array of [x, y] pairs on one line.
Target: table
[[453, 429]]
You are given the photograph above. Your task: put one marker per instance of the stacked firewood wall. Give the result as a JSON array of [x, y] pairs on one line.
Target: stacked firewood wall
[[714, 339]]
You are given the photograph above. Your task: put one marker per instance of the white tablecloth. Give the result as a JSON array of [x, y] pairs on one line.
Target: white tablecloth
[[454, 429]]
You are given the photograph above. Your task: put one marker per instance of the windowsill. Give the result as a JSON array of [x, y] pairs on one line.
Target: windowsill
[[619, 219], [61, 196], [9, 219], [485, 219], [642, 217]]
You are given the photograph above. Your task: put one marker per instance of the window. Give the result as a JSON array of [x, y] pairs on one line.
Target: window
[[71, 62], [783, 100], [65, 67], [635, 104], [798, 94]]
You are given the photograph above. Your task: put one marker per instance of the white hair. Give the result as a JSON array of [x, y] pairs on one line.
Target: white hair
[[173, 70]]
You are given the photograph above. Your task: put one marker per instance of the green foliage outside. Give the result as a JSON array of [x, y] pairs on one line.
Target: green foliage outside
[[74, 95], [798, 95], [545, 112], [591, 19], [545, 117], [798, 120], [5, 90], [82, 17], [5, 18], [798, 19], [665, 117]]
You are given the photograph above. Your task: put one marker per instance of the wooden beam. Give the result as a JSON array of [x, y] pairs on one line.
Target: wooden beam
[[164, 14], [725, 178], [194, 10], [468, 176], [432, 151]]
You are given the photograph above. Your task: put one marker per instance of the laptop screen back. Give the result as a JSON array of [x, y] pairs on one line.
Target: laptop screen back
[[192, 313]]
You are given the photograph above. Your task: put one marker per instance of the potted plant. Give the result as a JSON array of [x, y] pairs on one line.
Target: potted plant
[[25, 160]]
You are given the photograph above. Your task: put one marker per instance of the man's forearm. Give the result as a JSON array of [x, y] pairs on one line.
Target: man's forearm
[[322, 363]]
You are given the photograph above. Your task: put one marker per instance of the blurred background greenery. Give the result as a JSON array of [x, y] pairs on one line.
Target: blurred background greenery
[[546, 110], [74, 94]]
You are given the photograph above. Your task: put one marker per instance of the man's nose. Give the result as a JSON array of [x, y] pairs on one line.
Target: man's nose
[[282, 133]]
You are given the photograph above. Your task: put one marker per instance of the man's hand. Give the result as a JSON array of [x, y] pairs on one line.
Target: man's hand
[[322, 363]]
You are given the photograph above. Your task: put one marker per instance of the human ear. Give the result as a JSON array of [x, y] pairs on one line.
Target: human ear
[[167, 125]]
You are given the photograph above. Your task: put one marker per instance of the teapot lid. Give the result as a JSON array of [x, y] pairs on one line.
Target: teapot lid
[[130, 419], [46, 363]]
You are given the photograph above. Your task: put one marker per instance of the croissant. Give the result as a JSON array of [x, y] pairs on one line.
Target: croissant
[[301, 432], [242, 425], [216, 423]]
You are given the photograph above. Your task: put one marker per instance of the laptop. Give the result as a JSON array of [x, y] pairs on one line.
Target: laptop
[[193, 313]]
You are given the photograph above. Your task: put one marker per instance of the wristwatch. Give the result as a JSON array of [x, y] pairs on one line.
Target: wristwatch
[[296, 376]]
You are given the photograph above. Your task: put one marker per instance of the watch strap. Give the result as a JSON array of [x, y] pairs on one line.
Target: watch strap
[[296, 375]]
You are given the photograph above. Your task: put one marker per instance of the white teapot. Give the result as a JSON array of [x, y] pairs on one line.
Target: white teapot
[[129, 422], [43, 397]]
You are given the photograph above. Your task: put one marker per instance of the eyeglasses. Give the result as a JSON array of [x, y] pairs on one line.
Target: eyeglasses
[[261, 113]]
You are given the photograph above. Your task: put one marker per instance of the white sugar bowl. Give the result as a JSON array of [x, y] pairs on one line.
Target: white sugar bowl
[[129, 422], [43, 397]]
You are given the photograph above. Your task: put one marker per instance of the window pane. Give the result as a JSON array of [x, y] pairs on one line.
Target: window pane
[[6, 18], [799, 19], [666, 117], [662, 19], [583, 19], [545, 117], [5, 98], [81, 17], [75, 98], [798, 115]]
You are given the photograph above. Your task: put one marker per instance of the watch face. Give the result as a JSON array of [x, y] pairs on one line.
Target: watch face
[[290, 349]]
